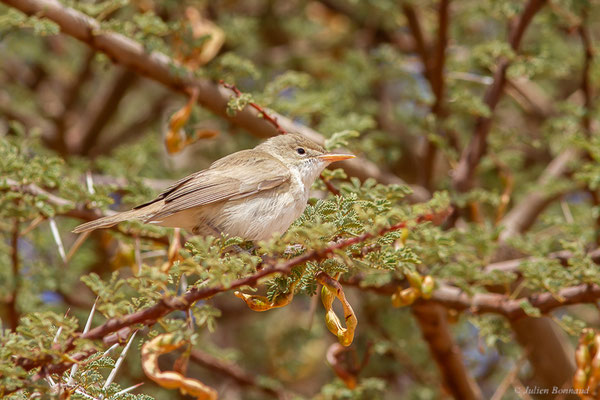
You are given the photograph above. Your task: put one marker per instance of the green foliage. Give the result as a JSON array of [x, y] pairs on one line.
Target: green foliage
[[350, 72]]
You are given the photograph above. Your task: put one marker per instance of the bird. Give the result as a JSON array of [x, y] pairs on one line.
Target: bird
[[253, 194]]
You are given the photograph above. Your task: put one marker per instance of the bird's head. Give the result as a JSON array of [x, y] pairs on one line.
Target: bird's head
[[301, 154]]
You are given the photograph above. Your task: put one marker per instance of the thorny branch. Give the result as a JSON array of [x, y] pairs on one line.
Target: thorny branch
[[77, 212], [115, 329], [260, 109], [493, 303]]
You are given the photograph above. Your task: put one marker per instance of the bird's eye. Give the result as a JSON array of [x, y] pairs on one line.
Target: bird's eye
[[300, 150]]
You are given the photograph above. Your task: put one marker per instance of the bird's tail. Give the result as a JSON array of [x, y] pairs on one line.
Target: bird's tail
[[111, 220]]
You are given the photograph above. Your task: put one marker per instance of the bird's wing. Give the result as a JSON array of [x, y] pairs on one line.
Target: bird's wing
[[226, 179]]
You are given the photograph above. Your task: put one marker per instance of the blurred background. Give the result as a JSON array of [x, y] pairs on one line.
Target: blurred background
[[491, 101]]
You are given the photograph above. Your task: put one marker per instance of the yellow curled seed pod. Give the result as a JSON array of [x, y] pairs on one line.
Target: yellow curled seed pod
[[171, 379], [330, 291], [262, 303], [582, 356], [427, 287], [333, 322], [408, 296], [256, 303], [414, 279], [580, 379]]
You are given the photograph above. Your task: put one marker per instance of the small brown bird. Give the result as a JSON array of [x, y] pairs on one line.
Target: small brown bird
[[252, 194]]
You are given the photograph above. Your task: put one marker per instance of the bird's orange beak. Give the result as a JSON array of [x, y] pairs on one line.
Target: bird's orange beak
[[331, 157]]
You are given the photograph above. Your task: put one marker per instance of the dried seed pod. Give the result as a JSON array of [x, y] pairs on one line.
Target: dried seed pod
[[330, 291], [166, 343], [582, 356], [580, 379], [594, 366], [261, 303], [427, 287], [414, 279], [405, 297]]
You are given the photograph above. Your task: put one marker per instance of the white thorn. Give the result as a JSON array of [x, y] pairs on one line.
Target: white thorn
[[111, 348], [84, 394], [566, 211], [113, 373], [89, 182], [154, 253], [51, 381], [470, 77], [58, 332], [129, 389], [58, 240], [88, 324], [60, 328]]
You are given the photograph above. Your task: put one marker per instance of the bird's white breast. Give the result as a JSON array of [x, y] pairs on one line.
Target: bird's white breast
[[260, 216]]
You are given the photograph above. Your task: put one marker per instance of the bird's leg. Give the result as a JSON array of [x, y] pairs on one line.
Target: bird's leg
[[173, 252], [217, 232]]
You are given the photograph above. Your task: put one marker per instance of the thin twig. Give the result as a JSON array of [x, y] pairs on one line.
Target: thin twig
[[260, 109]]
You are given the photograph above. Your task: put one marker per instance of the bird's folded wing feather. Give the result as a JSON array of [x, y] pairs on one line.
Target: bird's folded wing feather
[[238, 180]]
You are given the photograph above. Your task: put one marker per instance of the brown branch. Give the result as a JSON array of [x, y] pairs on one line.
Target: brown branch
[[431, 318], [439, 61], [421, 44], [78, 212], [160, 68], [330, 188], [260, 109], [512, 266], [494, 303], [586, 83], [482, 303], [166, 305], [11, 304], [115, 329], [433, 322], [437, 83], [471, 155]]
